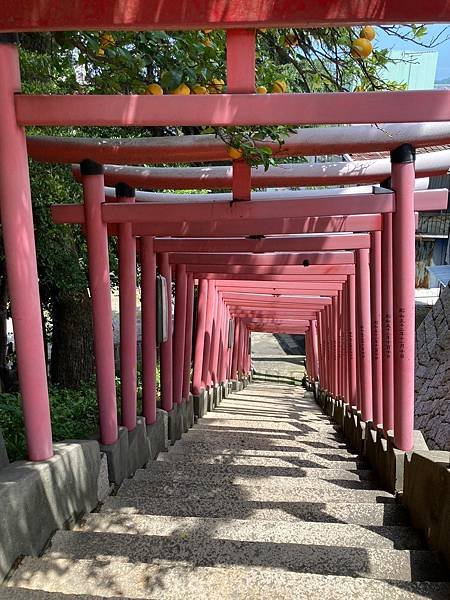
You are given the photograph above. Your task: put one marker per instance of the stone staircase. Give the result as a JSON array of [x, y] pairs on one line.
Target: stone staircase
[[262, 499]]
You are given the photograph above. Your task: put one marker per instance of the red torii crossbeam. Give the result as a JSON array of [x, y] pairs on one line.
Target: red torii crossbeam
[[63, 15]]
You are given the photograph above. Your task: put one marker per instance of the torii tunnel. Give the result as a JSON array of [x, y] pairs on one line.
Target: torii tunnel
[[336, 264]]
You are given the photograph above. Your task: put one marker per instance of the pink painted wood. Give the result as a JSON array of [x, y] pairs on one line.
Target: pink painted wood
[[97, 242], [345, 360], [296, 207], [166, 361], [315, 349], [355, 172], [225, 110], [208, 148], [298, 289], [127, 303], [222, 349], [241, 50], [364, 333], [188, 336], [314, 282], [352, 339], [148, 328], [20, 255], [387, 274], [284, 298], [403, 256], [235, 349], [256, 271], [243, 273], [198, 259], [200, 337], [311, 243], [242, 336], [334, 341], [210, 307], [218, 14], [321, 353], [214, 363], [278, 314], [179, 332], [340, 324], [376, 327], [73, 213]]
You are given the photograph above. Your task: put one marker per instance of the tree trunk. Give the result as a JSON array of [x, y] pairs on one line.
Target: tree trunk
[[72, 357]]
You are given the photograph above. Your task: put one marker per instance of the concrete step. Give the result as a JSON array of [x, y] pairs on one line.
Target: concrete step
[[251, 416], [272, 426], [372, 563], [192, 446], [158, 469], [255, 407], [211, 492], [20, 593], [109, 577], [256, 440], [366, 514], [311, 460], [225, 480], [204, 529], [292, 443]]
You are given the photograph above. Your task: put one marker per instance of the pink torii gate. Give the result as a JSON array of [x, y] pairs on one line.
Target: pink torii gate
[[390, 211]]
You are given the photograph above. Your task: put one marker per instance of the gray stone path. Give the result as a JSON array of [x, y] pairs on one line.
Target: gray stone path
[[262, 499], [277, 358]]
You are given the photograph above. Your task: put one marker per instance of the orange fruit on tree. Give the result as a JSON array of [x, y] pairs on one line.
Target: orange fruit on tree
[[367, 32], [107, 39], [261, 89], [154, 89], [361, 48], [234, 153], [290, 40], [207, 42], [199, 89], [100, 52], [216, 86], [181, 90], [279, 86]]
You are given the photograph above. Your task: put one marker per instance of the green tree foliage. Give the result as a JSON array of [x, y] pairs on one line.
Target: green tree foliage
[[312, 60]]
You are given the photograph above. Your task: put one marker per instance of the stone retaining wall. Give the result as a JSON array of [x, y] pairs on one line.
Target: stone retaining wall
[[432, 405]]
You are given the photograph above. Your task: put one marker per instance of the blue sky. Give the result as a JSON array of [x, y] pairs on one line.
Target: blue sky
[[395, 43]]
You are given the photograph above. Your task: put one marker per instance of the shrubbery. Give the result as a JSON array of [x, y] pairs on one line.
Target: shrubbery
[[74, 414]]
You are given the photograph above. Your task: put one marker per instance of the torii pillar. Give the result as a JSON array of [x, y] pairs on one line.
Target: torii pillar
[[403, 252], [20, 254]]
